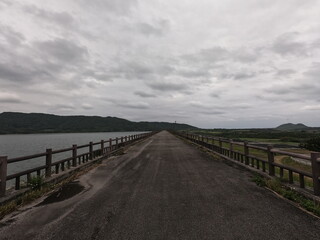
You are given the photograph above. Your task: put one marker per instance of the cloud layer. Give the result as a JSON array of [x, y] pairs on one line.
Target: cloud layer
[[206, 63]]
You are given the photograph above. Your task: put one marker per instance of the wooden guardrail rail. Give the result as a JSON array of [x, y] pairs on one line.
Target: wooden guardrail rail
[[103, 149], [226, 148]]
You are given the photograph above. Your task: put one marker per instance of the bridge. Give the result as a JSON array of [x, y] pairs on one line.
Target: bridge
[[162, 188]]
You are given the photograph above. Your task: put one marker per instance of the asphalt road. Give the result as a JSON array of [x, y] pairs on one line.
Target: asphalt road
[[162, 188]]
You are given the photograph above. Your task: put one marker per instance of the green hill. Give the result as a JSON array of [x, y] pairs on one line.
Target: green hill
[[15, 122], [292, 127]]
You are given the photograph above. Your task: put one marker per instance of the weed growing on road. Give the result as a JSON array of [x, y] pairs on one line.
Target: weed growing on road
[[260, 181], [23, 200], [276, 185], [36, 182]]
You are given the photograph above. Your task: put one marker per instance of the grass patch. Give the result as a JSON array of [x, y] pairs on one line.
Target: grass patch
[[25, 199], [260, 181], [36, 182], [277, 186], [288, 161]]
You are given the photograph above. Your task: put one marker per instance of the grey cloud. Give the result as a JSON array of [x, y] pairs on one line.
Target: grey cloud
[[316, 44], [292, 93], [285, 72], [158, 28], [148, 29], [11, 37], [137, 70], [214, 54], [237, 76], [18, 62], [62, 50], [43, 61], [206, 109], [134, 105], [20, 73], [119, 7], [297, 88], [219, 108], [203, 73], [314, 72], [287, 44], [312, 107], [10, 98], [278, 98], [246, 55], [212, 112], [86, 106], [142, 70], [45, 54], [218, 54], [63, 107], [60, 18], [215, 95], [144, 94], [99, 74], [243, 75], [5, 3], [167, 86]]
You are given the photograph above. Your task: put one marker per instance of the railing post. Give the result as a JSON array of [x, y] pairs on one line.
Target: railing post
[[246, 153], [91, 150], [116, 143], [74, 155], [315, 164], [48, 162], [220, 145], [3, 175], [102, 147], [271, 161], [110, 144], [121, 141], [231, 148]]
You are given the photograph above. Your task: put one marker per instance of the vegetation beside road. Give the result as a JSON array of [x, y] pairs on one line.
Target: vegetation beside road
[[277, 186], [308, 138]]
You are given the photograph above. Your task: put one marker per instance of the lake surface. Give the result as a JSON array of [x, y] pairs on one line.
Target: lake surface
[[17, 145]]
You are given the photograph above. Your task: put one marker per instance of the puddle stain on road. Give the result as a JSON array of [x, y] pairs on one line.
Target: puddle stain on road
[[65, 192]]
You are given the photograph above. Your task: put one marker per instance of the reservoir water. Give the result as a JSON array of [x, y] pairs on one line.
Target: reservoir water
[[17, 145]]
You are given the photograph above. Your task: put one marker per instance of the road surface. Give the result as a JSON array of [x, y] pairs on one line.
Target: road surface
[[162, 188]]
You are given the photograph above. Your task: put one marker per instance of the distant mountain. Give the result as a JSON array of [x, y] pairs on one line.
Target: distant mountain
[[291, 126], [15, 122]]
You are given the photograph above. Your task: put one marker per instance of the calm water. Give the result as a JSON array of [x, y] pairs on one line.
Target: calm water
[[17, 145]]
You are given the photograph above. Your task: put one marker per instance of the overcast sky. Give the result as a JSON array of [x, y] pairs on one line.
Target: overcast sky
[[209, 63]]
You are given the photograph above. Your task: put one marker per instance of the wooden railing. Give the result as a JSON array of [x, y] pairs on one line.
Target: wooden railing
[[104, 148], [265, 160]]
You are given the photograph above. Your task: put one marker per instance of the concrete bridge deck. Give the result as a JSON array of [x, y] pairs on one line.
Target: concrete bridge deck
[[163, 188]]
